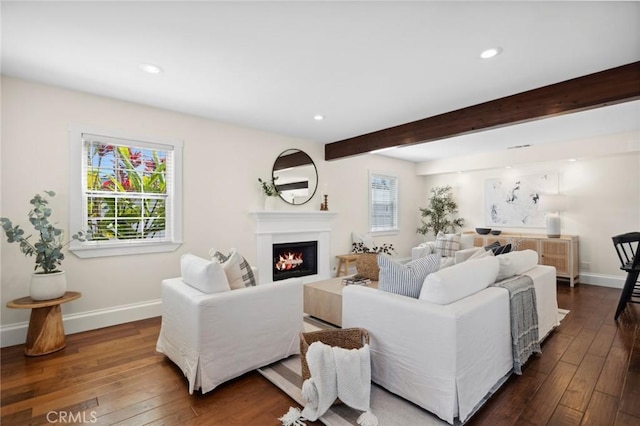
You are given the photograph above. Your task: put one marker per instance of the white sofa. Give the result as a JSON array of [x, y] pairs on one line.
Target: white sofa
[[444, 358], [216, 337]]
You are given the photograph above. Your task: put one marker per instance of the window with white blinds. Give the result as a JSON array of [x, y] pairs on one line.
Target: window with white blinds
[[129, 195], [383, 203]]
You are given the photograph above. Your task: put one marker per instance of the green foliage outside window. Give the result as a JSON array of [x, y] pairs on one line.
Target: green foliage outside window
[[126, 192]]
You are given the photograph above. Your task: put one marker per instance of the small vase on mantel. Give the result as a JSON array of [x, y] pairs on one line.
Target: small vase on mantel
[[270, 203], [48, 286]]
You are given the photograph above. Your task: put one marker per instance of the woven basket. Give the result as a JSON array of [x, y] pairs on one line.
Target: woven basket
[[347, 338], [367, 265]]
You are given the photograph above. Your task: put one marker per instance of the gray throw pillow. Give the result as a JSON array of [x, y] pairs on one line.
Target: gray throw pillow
[[406, 279]]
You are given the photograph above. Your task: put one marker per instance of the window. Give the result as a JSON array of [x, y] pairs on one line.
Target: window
[[126, 192], [383, 203]]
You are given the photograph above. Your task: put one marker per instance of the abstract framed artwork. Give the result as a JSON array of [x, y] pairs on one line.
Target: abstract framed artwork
[[513, 201]]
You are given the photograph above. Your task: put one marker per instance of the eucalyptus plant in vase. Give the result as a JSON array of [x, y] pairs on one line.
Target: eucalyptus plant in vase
[[270, 191], [47, 282]]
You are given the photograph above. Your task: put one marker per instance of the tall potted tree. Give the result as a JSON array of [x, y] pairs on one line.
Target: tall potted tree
[[47, 282], [440, 215]]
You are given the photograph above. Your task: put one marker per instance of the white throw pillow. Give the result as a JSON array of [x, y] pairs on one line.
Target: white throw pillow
[[447, 244], [516, 263], [202, 274], [238, 271], [405, 279], [445, 262], [481, 253], [460, 280]]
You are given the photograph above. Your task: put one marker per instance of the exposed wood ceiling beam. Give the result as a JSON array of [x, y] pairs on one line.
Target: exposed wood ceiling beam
[[609, 87]]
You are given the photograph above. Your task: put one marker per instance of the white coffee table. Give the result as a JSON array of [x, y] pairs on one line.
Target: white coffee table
[[323, 299]]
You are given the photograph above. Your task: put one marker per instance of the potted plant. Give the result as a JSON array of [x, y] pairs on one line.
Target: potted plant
[[440, 212], [271, 191], [367, 263], [47, 282]]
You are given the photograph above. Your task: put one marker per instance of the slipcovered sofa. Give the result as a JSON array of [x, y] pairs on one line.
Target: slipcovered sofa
[[215, 334], [446, 355]]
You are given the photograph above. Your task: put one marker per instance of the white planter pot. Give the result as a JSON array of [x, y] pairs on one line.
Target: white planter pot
[[48, 286]]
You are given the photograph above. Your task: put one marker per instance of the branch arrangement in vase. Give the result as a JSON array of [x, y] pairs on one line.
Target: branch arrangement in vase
[[48, 248], [361, 248], [269, 188]]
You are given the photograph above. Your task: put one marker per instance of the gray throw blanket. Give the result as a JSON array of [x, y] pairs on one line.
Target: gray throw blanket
[[524, 319]]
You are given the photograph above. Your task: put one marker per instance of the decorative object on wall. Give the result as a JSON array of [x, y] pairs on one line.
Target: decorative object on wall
[[513, 201], [297, 176], [50, 282], [440, 212], [552, 205]]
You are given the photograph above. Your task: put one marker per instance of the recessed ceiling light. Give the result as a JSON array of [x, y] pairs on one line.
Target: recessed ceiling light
[[572, 160], [151, 68], [318, 117], [490, 53]]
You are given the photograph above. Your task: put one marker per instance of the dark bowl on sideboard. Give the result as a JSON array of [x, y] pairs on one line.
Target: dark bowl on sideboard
[[483, 231]]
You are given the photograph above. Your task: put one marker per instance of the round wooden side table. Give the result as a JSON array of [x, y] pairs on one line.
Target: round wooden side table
[[46, 331]]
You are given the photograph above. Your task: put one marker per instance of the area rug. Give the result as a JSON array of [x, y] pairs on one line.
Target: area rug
[[388, 408], [562, 313]]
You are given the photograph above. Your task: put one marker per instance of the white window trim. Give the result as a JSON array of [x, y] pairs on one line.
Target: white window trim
[[91, 249], [390, 231]]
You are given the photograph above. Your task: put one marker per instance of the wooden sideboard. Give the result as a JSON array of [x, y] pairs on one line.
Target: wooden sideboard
[[562, 253]]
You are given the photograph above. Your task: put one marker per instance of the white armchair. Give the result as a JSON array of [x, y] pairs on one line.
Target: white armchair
[[217, 337]]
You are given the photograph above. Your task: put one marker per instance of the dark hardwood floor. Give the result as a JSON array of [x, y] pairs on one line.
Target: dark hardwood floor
[[589, 373]]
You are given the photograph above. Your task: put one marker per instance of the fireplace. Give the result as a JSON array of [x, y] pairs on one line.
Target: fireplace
[[297, 259], [278, 227]]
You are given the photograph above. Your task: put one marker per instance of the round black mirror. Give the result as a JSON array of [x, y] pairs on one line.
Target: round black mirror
[[295, 176]]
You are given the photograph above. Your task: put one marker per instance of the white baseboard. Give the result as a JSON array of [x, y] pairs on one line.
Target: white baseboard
[[601, 280], [16, 334]]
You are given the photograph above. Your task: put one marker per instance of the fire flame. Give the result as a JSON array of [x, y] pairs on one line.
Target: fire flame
[[289, 261]]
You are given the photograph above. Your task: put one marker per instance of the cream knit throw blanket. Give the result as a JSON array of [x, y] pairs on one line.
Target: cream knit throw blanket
[[335, 373]]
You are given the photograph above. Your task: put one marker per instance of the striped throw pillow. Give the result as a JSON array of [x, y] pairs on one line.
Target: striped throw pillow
[[406, 279]]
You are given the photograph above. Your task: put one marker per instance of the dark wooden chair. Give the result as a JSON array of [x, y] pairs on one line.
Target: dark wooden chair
[[627, 248]]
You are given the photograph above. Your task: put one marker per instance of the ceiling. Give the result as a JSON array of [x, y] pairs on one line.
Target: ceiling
[[363, 65]]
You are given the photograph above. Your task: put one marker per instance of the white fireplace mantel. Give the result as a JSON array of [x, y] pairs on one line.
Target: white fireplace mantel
[[277, 227]]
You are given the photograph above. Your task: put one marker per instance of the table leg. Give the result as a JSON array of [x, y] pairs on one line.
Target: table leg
[[46, 331]]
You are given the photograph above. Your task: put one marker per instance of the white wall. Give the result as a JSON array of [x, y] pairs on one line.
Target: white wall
[[603, 196], [222, 163]]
